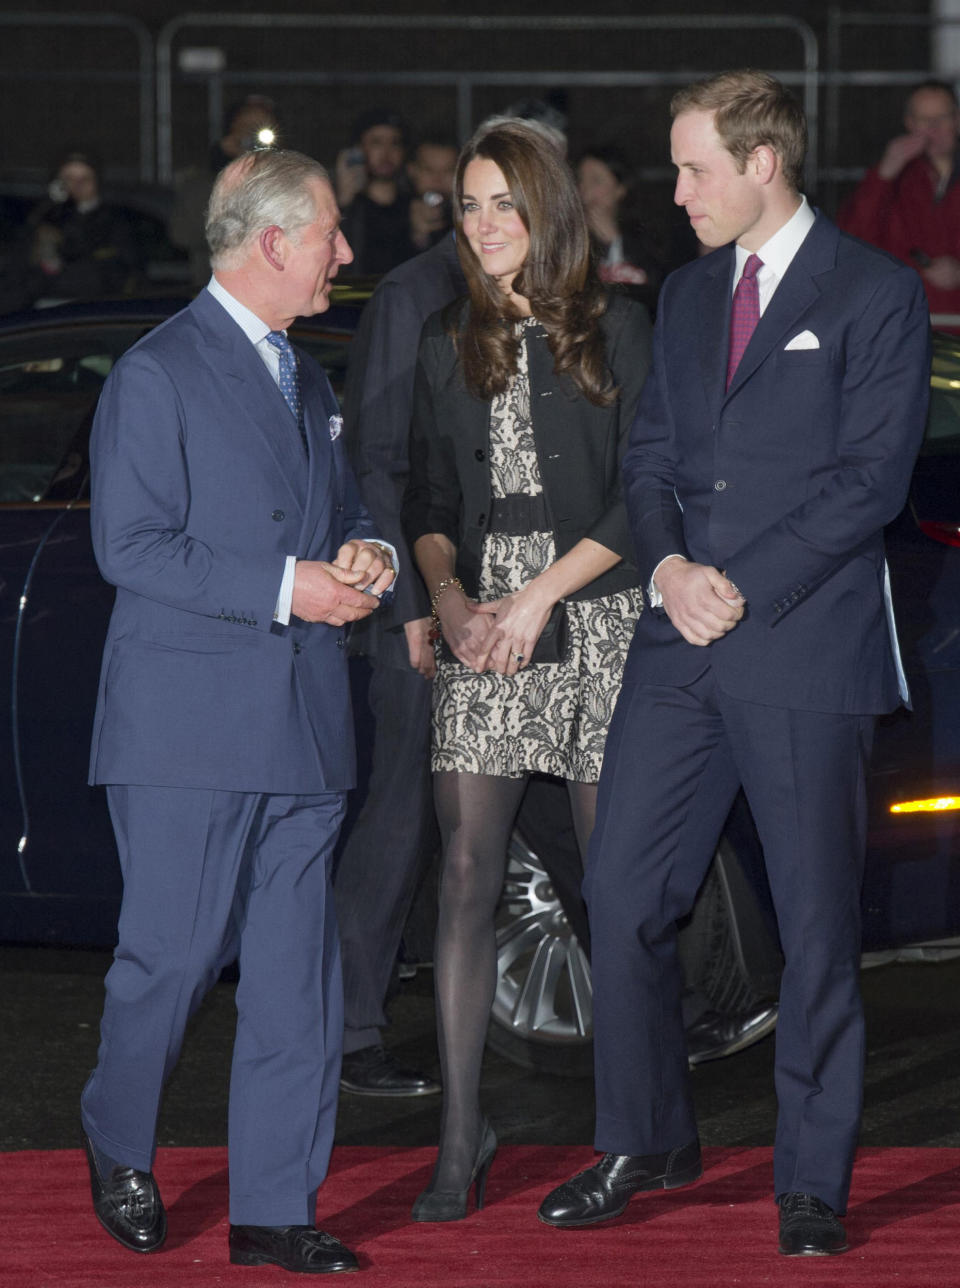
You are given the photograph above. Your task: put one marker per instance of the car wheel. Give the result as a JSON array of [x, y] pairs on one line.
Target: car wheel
[[542, 1016]]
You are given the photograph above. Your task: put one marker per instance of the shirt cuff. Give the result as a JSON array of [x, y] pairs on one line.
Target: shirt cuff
[[653, 594], [281, 613]]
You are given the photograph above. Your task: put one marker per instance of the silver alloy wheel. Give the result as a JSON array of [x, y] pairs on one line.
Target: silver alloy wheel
[[544, 991]]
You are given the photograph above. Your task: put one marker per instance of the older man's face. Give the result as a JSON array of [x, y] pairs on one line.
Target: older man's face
[[313, 256]]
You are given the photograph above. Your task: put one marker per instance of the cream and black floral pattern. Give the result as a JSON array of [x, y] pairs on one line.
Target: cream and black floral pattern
[[549, 719]]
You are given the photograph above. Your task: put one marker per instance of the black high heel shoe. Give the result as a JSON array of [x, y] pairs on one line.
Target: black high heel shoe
[[451, 1205]]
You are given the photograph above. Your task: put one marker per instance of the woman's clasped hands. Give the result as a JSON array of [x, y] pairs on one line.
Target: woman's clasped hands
[[498, 635]]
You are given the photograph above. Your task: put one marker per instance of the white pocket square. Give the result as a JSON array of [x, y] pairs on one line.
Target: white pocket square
[[336, 425], [805, 340]]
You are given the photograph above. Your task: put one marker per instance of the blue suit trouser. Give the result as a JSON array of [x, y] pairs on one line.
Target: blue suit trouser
[[675, 758], [209, 877]]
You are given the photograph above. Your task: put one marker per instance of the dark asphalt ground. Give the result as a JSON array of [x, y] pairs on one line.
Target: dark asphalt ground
[[50, 1003]]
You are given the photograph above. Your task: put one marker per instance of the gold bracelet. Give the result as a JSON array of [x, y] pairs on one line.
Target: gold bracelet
[[444, 585]]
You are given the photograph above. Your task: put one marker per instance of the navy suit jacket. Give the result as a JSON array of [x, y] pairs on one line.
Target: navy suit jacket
[[376, 425], [786, 480], [200, 491]]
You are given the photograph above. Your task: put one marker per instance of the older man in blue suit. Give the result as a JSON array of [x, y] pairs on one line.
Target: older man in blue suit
[[226, 515], [774, 440]]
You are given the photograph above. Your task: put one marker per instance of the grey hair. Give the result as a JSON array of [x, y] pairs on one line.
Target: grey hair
[[256, 191]]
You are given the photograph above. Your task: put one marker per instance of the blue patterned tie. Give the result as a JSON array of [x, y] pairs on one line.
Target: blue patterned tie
[[289, 378]]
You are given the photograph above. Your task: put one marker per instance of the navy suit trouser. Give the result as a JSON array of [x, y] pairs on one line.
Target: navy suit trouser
[[674, 760], [210, 876]]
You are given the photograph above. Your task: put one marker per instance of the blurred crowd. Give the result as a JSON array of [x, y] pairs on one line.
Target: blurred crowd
[[394, 183]]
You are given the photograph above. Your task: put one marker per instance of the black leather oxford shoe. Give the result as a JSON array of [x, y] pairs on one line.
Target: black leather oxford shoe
[[300, 1248], [808, 1228], [127, 1204], [604, 1190], [375, 1071]]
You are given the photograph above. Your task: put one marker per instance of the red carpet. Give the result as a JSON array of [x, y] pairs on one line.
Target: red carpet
[[904, 1226]]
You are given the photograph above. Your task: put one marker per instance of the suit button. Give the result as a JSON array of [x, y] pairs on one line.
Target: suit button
[[481, 520], [296, 648], [719, 485], [339, 641], [480, 454], [278, 516], [339, 509]]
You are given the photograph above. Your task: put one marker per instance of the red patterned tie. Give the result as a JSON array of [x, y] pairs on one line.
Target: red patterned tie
[[745, 313]]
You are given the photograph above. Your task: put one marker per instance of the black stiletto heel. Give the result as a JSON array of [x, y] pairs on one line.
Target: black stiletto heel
[[451, 1205]]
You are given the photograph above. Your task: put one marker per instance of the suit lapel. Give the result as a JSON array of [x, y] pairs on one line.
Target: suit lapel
[[319, 405], [714, 325], [791, 300], [254, 398]]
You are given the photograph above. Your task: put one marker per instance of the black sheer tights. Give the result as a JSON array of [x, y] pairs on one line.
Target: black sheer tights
[[476, 813]]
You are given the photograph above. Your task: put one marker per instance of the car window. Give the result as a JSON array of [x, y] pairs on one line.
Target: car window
[[50, 381], [49, 386], [943, 423]]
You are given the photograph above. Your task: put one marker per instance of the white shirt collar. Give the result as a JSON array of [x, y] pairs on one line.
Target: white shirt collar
[[778, 251], [254, 328]]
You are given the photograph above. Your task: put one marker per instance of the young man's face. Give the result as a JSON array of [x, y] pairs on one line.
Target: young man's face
[[723, 205], [433, 168], [383, 151]]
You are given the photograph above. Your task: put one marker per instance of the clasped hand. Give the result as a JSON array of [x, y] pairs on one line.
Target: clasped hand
[[346, 590], [700, 601], [498, 635]]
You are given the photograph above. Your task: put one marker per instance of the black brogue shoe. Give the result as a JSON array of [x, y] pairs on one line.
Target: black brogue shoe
[[604, 1190], [809, 1228]]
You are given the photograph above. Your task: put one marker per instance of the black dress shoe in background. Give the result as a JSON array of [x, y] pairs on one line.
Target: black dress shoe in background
[[301, 1248], [808, 1228], [127, 1202], [715, 1034], [604, 1190], [374, 1071]]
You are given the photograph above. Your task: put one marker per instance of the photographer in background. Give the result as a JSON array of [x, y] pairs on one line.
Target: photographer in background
[[244, 128], [430, 171], [79, 247], [373, 193]]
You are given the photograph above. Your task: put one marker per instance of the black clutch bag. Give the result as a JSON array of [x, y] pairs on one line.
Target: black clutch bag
[[551, 646]]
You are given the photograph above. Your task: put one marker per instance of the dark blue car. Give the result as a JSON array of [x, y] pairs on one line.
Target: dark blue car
[[59, 877]]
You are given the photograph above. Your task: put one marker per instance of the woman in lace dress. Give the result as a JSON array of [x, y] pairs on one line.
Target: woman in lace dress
[[524, 395]]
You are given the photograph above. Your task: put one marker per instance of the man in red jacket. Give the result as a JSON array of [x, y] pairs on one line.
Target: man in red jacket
[[909, 204]]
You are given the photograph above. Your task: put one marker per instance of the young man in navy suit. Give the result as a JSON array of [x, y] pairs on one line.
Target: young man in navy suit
[[225, 514], [774, 439]]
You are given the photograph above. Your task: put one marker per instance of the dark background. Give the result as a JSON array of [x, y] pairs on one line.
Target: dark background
[[65, 85]]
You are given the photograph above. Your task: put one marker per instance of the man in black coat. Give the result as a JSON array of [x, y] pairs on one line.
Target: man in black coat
[[394, 835]]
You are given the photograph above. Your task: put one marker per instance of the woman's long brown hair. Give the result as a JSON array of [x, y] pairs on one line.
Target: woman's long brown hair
[[557, 277]]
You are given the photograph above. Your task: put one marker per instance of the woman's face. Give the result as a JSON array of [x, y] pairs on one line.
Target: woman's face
[[491, 224], [600, 189]]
